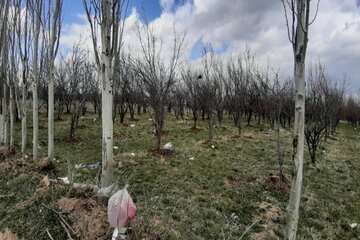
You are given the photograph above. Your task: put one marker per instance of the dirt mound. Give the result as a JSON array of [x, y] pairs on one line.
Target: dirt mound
[[82, 192], [15, 165], [88, 217], [278, 182], [8, 235], [160, 152], [45, 165], [6, 152], [232, 181]]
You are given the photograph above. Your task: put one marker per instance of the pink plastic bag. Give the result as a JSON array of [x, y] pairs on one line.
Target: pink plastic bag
[[120, 208]]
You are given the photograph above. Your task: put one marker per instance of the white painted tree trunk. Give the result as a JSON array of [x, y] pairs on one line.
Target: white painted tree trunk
[[35, 73], [51, 114], [23, 120], [6, 116], [12, 116], [300, 46], [106, 98], [52, 53]]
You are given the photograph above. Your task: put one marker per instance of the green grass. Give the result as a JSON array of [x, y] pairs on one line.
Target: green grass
[[179, 198]]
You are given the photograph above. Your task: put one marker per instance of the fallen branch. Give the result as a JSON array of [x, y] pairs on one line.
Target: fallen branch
[[248, 229], [48, 233]]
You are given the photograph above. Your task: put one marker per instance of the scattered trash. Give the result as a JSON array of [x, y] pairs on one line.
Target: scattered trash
[[132, 125], [212, 146], [94, 165], [168, 146], [94, 120], [108, 191], [119, 235], [353, 225], [65, 179], [191, 158], [150, 119], [78, 166], [115, 147], [121, 209], [82, 117], [132, 154]]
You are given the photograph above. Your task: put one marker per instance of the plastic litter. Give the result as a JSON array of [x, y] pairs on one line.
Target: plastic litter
[[65, 179], [94, 165], [121, 208], [168, 146], [132, 125]]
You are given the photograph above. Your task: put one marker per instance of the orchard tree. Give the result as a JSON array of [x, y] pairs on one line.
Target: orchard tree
[[110, 15], [298, 31], [157, 75]]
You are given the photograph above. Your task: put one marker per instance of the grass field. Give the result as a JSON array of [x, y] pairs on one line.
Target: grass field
[[199, 192]]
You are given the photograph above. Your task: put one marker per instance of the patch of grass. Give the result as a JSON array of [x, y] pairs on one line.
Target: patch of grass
[[183, 196]]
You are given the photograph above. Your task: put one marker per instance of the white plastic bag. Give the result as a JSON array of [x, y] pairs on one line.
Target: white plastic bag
[[121, 208]]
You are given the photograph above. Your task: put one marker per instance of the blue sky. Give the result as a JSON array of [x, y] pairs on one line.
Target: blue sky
[[71, 9], [233, 25]]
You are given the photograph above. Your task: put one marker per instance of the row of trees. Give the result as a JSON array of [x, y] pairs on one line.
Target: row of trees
[[30, 32]]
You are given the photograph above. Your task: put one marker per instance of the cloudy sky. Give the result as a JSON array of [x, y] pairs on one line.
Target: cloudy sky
[[231, 25]]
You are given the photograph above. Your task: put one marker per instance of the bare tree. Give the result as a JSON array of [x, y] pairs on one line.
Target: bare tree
[[36, 20], [53, 35], [298, 31], [110, 15], [158, 77]]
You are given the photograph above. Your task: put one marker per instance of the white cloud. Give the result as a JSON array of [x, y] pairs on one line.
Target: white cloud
[[334, 36]]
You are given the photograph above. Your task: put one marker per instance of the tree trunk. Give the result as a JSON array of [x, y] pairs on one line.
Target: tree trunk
[[292, 216], [51, 113], [5, 115], [35, 83], [12, 116], [106, 98], [23, 119]]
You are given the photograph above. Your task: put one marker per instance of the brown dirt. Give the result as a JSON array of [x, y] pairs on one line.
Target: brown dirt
[[125, 125], [196, 130], [8, 235], [278, 183], [117, 136], [231, 181], [6, 152], [88, 217], [72, 140], [45, 165], [14, 164], [46, 184], [81, 126], [82, 192], [160, 152]]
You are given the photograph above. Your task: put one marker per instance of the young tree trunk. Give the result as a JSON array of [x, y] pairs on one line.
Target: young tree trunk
[[12, 116], [37, 16], [106, 98], [23, 118], [51, 113], [6, 116], [299, 47]]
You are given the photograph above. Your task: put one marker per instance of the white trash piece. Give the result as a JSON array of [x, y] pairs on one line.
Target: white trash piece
[[132, 125], [65, 179], [353, 225], [168, 146], [121, 208]]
